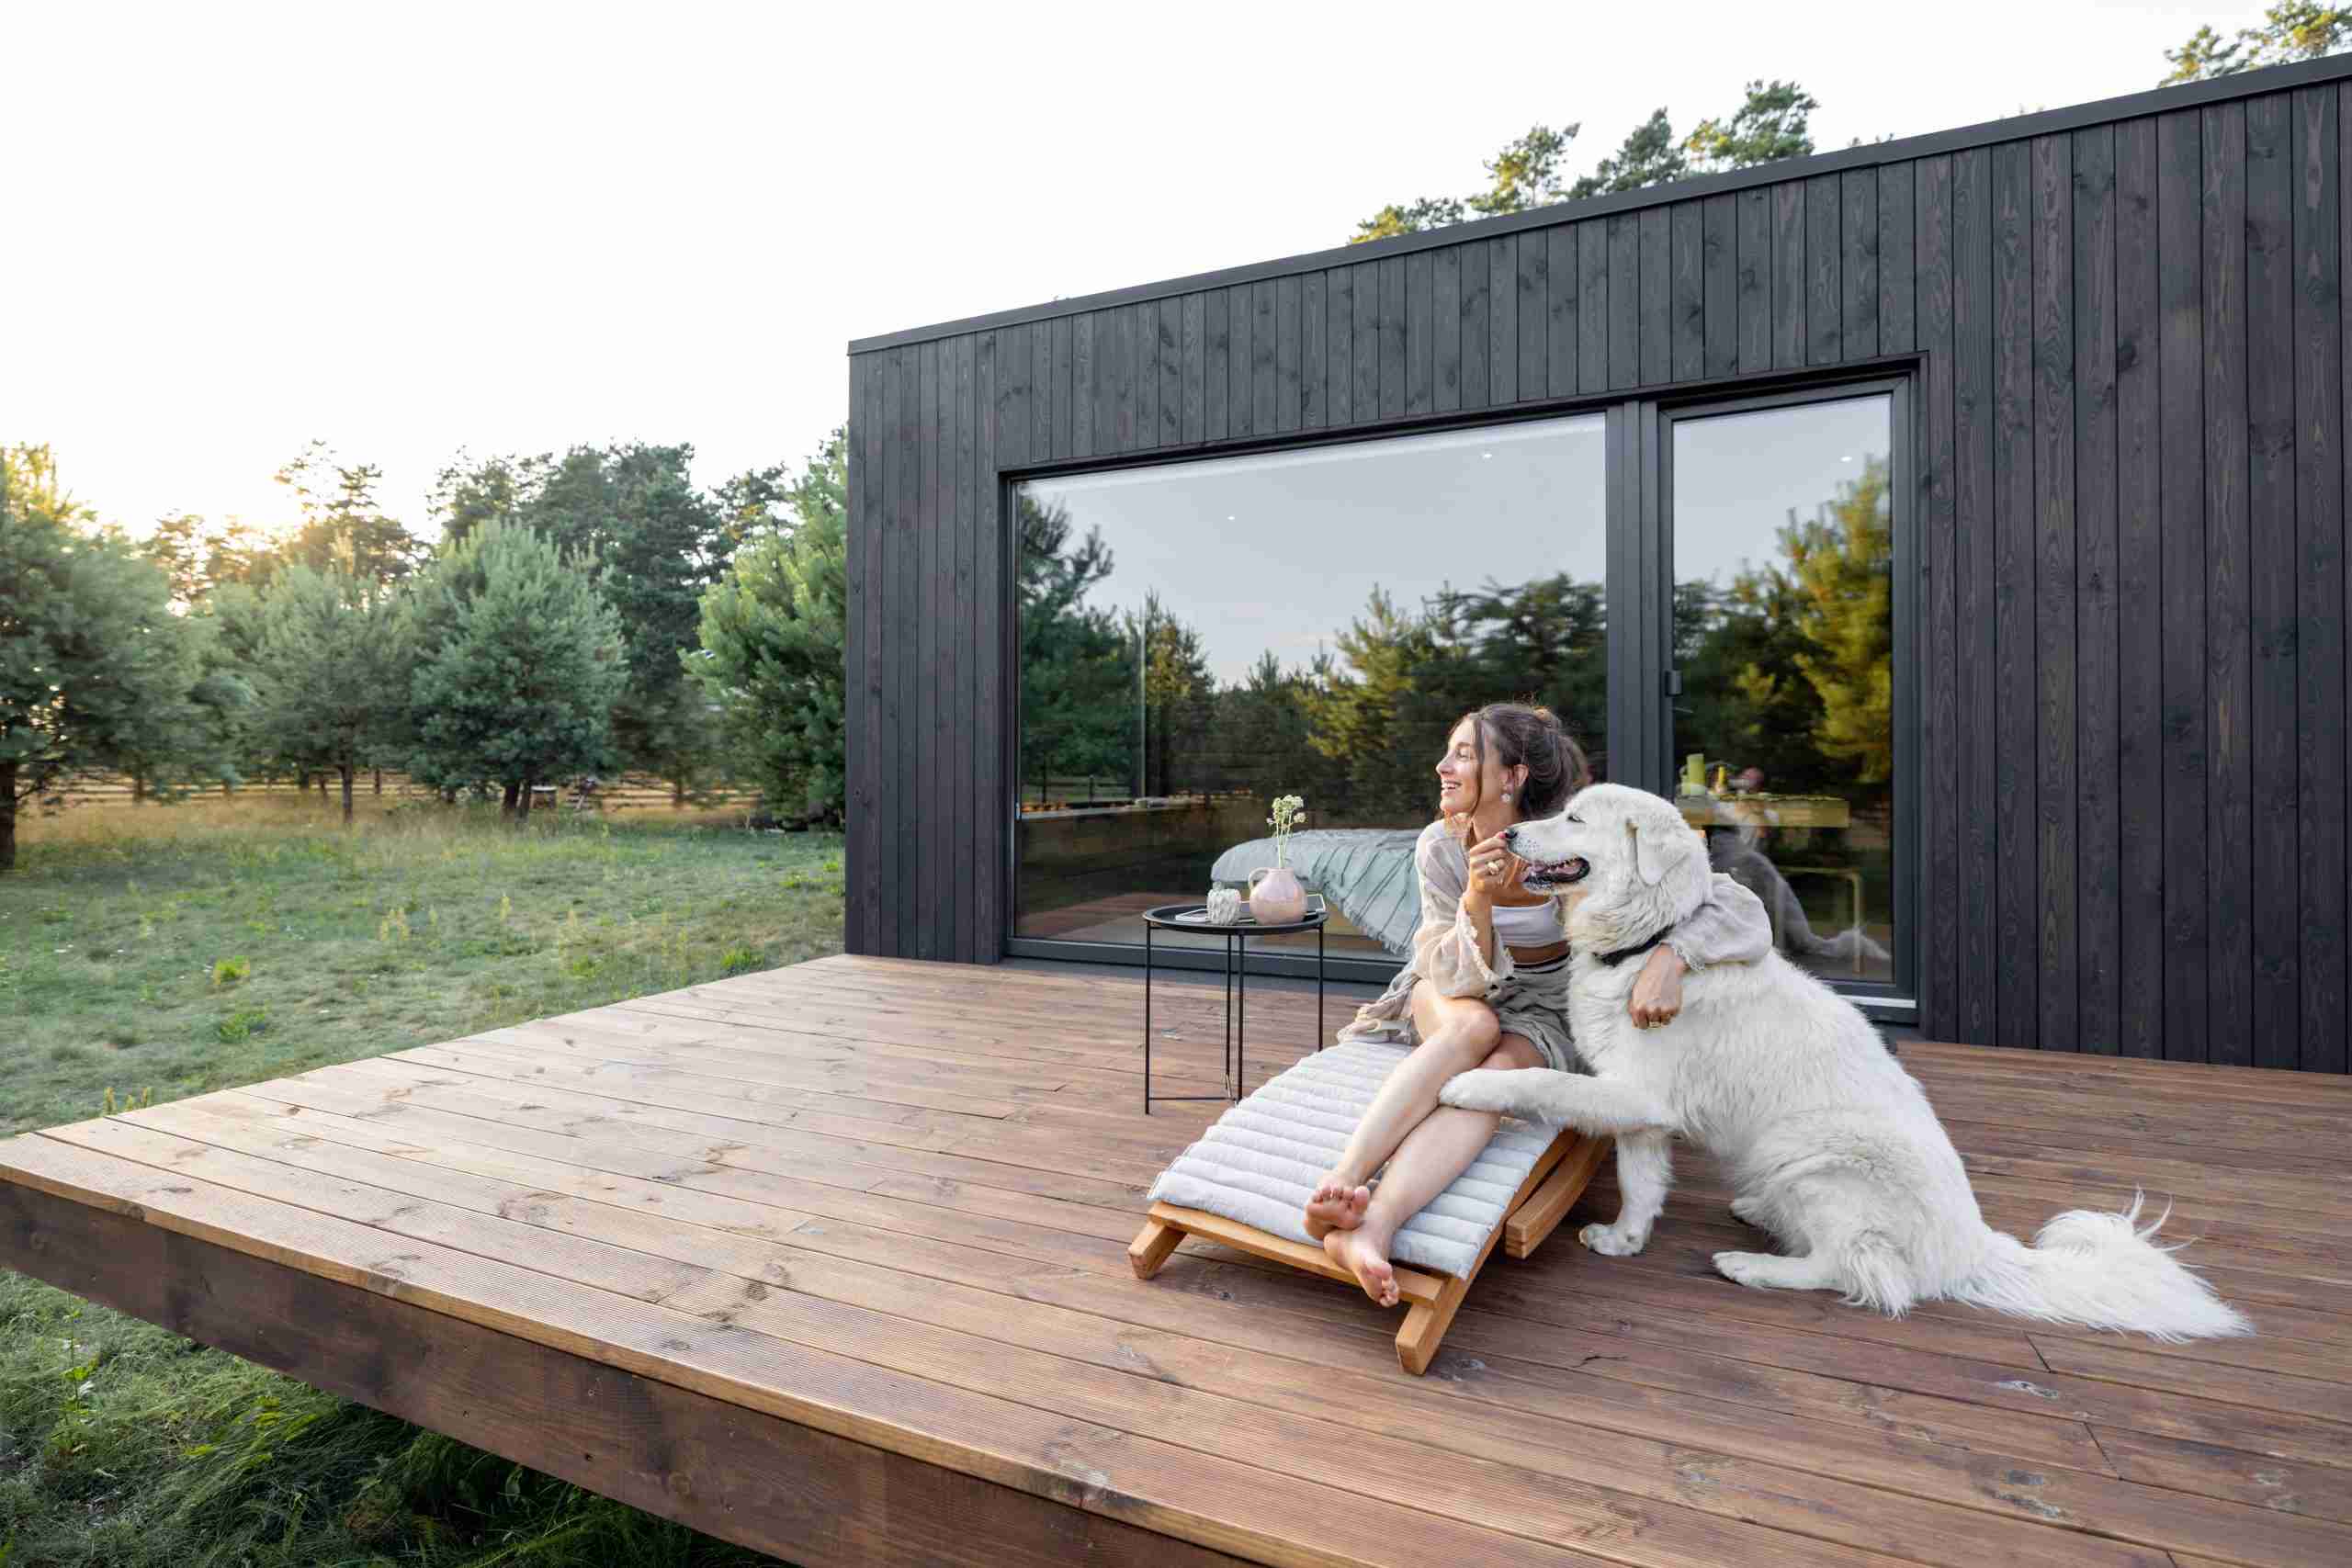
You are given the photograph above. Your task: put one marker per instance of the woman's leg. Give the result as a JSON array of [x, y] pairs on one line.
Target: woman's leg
[[1457, 1034], [1438, 1149]]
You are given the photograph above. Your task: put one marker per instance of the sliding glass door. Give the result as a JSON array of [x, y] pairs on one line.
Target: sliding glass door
[[1712, 596], [1785, 743]]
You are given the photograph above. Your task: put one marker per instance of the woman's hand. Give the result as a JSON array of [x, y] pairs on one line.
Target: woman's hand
[[1494, 870], [1658, 991]]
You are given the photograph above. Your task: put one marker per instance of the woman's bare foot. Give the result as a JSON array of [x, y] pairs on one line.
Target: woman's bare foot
[[1366, 1257], [1336, 1206]]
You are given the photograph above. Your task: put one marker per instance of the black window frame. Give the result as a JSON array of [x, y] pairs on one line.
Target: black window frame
[[1651, 668], [1638, 576]]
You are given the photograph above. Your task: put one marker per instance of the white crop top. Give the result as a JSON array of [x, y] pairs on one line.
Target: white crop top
[[1526, 925]]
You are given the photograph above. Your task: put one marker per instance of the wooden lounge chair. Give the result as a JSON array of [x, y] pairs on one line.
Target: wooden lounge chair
[[1550, 1187]]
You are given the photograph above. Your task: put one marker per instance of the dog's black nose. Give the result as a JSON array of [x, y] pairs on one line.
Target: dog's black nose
[[1509, 834]]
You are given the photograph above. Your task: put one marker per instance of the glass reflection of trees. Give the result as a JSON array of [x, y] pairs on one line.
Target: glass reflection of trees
[[1789, 667], [1356, 731]]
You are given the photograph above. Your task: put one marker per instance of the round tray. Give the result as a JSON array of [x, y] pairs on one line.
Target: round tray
[[1174, 917]]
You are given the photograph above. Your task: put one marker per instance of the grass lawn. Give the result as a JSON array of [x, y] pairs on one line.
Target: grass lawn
[[169, 950]]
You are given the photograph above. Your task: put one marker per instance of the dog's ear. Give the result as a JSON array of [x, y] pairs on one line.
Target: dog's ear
[[1659, 850]]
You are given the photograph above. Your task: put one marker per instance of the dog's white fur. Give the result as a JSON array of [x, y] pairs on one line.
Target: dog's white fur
[[1830, 1146]]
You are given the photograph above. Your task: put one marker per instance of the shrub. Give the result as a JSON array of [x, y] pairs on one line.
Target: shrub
[[242, 1025]]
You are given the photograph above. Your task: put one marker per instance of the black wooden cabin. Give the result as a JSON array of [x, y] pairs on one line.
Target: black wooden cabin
[[2108, 348]]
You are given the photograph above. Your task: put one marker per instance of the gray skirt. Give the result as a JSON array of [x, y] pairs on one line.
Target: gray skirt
[[1532, 1004]]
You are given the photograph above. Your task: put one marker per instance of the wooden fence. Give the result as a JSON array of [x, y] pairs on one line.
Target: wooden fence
[[629, 792]]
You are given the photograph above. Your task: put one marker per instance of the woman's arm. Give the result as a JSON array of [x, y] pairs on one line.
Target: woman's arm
[[1731, 926], [1454, 949]]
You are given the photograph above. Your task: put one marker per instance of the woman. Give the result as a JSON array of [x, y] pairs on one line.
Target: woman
[[1487, 984]]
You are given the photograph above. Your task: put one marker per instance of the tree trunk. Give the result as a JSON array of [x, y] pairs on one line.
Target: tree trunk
[[507, 808], [323, 788], [678, 793], [138, 785], [380, 781], [227, 789], [7, 816], [522, 816], [346, 770]]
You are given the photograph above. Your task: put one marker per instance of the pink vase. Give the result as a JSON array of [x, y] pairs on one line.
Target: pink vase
[[1275, 897]]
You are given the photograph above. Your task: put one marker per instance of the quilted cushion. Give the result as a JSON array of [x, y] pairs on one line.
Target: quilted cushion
[[1263, 1157]]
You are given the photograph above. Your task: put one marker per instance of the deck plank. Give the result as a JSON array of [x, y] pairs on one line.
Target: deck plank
[[889, 1201]]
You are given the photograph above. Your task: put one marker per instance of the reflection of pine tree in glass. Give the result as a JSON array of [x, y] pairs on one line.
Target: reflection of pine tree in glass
[[1078, 668], [1843, 563], [1790, 668], [1545, 641], [1408, 676]]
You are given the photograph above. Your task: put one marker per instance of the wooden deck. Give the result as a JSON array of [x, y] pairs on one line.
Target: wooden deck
[[832, 1260]]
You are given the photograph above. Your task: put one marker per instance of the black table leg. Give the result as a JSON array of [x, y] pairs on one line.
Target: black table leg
[[1146, 1018], [1319, 1035], [1224, 1056]]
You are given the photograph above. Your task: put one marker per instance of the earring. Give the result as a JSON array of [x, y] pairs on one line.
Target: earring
[[1506, 795]]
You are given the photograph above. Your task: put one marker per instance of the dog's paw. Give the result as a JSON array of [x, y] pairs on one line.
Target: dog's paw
[[1750, 1268], [1611, 1242], [1748, 1210], [1480, 1089]]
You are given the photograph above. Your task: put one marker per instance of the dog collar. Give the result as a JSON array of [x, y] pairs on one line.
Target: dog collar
[[1610, 960]]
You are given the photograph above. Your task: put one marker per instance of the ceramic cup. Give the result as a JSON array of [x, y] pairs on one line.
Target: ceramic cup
[[1225, 906]]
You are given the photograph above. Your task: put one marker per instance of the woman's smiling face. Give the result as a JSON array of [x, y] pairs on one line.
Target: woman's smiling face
[[1460, 786]]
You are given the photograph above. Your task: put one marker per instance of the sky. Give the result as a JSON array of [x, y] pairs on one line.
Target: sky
[[419, 230]]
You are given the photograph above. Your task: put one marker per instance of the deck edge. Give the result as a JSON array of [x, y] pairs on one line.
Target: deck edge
[[741, 1475]]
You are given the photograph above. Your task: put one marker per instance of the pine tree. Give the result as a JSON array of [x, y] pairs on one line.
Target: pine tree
[[341, 520], [1769, 124], [518, 661], [96, 671], [1079, 702], [771, 653], [2295, 30], [330, 670], [631, 512]]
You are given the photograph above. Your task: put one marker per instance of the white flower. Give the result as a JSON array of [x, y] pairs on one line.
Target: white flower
[[1289, 811]]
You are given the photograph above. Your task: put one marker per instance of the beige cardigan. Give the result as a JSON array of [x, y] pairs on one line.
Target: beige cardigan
[[1731, 926]]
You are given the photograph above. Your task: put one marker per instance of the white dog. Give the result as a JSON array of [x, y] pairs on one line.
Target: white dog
[[1830, 1146]]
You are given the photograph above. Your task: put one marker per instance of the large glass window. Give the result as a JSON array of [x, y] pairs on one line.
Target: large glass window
[[1783, 626], [1198, 638]]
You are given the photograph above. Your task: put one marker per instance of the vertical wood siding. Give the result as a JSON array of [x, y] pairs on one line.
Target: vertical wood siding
[[2139, 566], [2134, 378]]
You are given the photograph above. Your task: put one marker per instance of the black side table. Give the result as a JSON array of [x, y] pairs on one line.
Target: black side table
[[1194, 917]]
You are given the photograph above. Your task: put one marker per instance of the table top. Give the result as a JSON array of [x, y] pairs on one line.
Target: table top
[[1194, 917], [1764, 810]]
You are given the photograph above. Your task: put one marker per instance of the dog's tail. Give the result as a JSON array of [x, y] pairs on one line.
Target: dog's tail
[[2101, 1270]]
